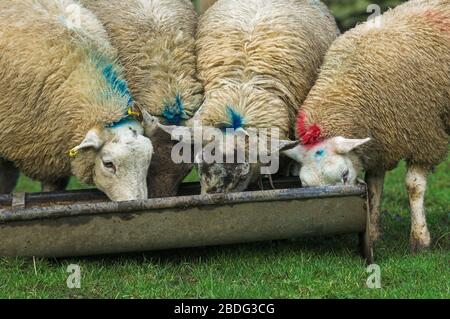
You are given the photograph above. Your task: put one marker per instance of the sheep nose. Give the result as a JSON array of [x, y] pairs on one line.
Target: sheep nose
[[213, 190], [345, 176]]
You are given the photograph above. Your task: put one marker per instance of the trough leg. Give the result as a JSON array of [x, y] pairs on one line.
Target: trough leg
[[416, 184], [59, 185], [365, 247], [9, 175], [375, 184]]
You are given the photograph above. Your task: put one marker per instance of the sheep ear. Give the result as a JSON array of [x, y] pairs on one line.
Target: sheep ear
[[198, 157], [149, 122], [294, 151], [92, 140], [342, 145], [179, 133], [242, 132], [287, 145]]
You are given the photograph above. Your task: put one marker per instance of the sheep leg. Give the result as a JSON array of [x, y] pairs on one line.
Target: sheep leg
[[375, 184], [416, 184], [59, 185], [9, 175]]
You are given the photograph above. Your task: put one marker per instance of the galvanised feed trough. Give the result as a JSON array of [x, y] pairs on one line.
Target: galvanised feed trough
[[82, 223]]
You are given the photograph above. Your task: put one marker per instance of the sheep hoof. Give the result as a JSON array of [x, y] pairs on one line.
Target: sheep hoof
[[419, 244]]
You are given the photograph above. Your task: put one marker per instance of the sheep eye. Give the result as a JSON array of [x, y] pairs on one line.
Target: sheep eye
[[320, 153], [109, 165]]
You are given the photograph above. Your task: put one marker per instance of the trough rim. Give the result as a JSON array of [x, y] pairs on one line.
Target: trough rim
[[182, 202]]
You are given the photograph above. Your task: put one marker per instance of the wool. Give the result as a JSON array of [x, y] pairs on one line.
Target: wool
[[260, 59], [390, 83], [155, 40], [257, 61], [56, 83]]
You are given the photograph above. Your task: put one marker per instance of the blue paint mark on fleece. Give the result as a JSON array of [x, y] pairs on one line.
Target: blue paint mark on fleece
[[236, 119], [110, 73], [63, 20], [174, 113], [124, 121], [118, 85]]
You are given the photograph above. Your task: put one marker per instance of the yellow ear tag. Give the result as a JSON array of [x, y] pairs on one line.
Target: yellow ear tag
[[73, 152], [131, 113]]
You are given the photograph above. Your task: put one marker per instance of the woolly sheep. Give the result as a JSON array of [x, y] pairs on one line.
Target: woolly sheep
[[156, 44], [60, 87], [257, 60], [383, 95]]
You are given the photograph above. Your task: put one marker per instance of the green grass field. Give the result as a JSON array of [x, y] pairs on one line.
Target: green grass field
[[307, 268]]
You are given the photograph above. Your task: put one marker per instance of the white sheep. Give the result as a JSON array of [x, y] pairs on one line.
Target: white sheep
[[383, 95], [60, 87], [257, 60]]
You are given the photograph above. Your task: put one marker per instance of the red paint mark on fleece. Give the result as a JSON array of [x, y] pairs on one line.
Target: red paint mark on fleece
[[437, 19], [309, 135]]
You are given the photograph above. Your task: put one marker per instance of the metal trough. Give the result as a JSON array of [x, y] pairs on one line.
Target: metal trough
[[83, 223]]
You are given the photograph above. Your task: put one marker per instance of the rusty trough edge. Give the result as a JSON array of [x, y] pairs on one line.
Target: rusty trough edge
[[85, 195], [181, 202]]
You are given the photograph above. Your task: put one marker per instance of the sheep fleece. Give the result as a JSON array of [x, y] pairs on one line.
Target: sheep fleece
[[156, 44], [51, 91], [389, 82], [261, 57]]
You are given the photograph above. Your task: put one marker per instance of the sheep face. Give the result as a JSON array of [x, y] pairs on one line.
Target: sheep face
[[224, 178], [237, 175], [118, 160], [331, 162], [227, 161], [218, 178], [223, 165]]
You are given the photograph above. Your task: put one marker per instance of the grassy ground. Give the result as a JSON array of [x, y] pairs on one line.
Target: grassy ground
[[317, 268]]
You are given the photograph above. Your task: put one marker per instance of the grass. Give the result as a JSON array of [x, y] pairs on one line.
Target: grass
[[27, 185], [326, 267]]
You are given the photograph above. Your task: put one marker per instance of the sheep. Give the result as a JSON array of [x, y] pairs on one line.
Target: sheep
[[257, 60], [61, 89], [382, 96], [156, 45]]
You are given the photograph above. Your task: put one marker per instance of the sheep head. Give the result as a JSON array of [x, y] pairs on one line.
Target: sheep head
[[164, 176], [226, 161], [331, 162], [224, 165], [116, 160], [233, 169]]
